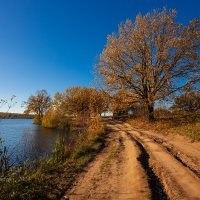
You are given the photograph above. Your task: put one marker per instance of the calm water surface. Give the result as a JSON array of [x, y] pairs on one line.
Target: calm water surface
[[26, 141]]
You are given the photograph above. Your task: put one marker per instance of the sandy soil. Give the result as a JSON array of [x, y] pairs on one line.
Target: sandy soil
[[140, 165], [183, 148]]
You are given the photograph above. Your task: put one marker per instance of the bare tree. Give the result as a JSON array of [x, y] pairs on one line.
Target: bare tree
[[38, 105], [151, 58], [10, 103]]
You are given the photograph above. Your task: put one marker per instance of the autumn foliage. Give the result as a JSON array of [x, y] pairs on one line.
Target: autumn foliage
[[151, 58], [38, 105], [75, 105]]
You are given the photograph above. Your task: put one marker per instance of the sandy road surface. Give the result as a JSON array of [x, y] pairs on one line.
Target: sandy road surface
[[135, 165]]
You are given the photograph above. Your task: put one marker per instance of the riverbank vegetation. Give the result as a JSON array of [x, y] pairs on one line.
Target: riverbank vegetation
[[76, 110], [50, 178], [76, 106]]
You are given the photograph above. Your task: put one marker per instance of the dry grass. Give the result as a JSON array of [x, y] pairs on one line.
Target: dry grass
[[191, 130], [171, 126]]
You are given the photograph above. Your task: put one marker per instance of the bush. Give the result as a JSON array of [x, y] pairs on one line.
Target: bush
[[50, 120], [37, 120], [188, 102], [54, 119]]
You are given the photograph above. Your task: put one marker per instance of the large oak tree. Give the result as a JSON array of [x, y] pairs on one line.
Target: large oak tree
[[151, 58]]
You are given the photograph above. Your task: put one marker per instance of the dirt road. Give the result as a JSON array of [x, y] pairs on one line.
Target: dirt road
[[138, 165]]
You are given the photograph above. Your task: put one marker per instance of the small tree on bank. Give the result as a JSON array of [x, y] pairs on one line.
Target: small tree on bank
[[38, 105], [151, 58]]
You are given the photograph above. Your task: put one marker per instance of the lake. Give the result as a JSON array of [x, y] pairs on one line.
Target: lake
[[27, 141]]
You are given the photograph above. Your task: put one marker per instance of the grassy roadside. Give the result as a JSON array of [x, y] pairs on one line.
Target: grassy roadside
[[187, 128], [53, 177]]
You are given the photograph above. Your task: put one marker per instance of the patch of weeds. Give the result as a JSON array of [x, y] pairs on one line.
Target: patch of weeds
[[104, 167]]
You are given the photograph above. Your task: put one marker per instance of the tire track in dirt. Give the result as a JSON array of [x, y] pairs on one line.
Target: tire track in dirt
[[155, 184], [181, 157], [178, 180], [188, 156], [133, 180]]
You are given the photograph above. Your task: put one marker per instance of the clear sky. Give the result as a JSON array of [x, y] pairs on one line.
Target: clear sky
[[53, 44]]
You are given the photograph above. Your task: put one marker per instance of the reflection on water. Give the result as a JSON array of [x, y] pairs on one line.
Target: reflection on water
[[26, 141]]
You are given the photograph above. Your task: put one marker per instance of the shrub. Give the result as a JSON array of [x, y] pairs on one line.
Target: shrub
[[189, 102], [55, 119], [50, 120]]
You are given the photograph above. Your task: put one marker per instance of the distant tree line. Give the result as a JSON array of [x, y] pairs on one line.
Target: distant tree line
[[5, 115]]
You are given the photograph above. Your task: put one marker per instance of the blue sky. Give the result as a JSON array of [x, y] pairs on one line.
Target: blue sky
[[53, 44]]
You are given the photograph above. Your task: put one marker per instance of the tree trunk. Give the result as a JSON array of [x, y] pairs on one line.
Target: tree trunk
[[150, 110]]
